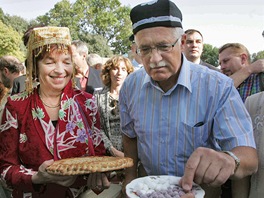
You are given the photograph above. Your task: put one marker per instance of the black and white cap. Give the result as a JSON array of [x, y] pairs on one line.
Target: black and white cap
[[154, 14]]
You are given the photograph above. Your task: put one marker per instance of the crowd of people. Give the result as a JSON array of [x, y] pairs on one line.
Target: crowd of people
[[166, 108]]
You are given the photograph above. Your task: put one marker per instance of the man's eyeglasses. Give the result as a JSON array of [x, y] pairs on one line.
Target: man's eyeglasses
[[145, 51]]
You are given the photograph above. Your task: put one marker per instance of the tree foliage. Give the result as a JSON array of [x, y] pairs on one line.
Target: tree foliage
[[10, 42], [16, 22], [256, 56], [104, 19], [210, 54], [103, 24], [96, 44]]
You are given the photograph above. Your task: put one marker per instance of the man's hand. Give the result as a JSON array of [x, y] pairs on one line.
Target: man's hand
[[206, 166], [257, 66]]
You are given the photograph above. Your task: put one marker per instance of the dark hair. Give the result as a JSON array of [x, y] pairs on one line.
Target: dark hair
[[11, 63]]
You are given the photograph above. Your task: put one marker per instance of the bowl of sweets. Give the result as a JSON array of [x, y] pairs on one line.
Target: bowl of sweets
[[162, 186]]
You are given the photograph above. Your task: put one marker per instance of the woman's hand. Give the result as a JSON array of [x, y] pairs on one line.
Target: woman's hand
[[98, 182], [116, 152], [43, 177]]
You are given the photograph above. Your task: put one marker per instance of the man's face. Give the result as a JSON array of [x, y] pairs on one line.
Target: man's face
[[192, 46], [79, 60], [159, 65], [7, 78], [230, 62]]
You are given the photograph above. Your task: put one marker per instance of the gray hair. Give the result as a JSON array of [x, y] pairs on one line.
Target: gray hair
[[81, 47], [177, 33]]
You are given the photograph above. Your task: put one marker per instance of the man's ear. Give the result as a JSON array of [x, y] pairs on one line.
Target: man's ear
[[244, 58], [84, 55], [6, 71], [183, 39]]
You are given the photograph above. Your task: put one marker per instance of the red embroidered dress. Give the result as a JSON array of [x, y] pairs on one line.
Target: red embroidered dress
[[28, 138]]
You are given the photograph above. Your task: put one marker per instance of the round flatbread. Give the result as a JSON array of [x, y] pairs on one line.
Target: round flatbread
[[91, 164]]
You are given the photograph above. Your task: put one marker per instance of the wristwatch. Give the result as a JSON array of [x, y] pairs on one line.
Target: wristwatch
[[237, 160]]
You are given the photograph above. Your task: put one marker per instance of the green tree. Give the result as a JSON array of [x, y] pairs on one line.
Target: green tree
[[96, 44], [10, 42], [108, 19], [210, 55], [256, 56], [62, 15], [105, 18], [16, 22]]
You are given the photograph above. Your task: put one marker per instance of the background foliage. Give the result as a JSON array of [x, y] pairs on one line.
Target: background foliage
[[104, 25]]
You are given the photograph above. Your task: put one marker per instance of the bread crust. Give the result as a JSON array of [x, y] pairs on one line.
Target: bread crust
[[91, 164]]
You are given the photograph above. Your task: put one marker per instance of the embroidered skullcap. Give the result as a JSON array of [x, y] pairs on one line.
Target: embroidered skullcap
[[42, 36], [154, 14], [38, 39]]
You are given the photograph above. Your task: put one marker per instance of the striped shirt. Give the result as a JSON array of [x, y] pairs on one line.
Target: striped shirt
[[203, 109]]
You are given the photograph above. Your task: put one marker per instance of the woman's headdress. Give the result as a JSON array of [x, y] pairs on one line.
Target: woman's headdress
[[38, 39]]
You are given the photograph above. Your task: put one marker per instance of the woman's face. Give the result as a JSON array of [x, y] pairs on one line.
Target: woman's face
[[55, 70], [118, 74]]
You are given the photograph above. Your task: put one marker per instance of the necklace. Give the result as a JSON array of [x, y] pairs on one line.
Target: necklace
[[47, 105]]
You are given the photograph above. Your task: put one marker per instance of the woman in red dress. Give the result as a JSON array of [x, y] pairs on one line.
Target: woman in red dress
[[49, 121]]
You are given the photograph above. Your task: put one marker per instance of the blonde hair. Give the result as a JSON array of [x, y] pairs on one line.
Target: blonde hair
[[236, 48]]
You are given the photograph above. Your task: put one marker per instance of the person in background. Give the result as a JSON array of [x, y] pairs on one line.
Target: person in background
[[136, 59], [232, 58], [114, 72], [4, 193], [10, 68], [192, 48], [174, 113], [244, 72], [42, 124], [87, 78], [95, 61], [254, 186]]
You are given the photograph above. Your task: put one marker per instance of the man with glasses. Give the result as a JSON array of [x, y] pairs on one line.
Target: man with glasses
[[179, 118]]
